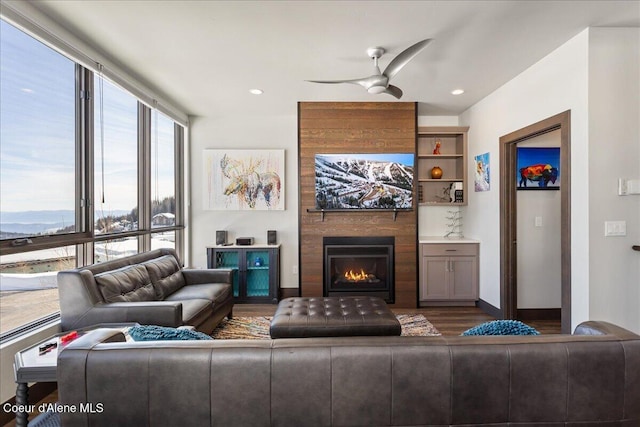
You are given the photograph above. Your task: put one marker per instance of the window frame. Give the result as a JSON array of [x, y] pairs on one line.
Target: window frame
[[84, 238], [82, 209]]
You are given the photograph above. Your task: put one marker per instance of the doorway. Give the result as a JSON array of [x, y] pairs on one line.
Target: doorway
[[508, 214]]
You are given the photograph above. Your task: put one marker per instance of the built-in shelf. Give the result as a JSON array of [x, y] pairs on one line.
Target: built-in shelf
[[452, 142], [440, 156]]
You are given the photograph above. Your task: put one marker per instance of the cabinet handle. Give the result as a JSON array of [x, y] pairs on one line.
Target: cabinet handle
[[450, 250], [451, 266]]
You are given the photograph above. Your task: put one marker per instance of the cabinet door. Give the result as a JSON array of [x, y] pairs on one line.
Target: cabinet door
[[257, 275], [229, 259], [463, 278], [435, 274]]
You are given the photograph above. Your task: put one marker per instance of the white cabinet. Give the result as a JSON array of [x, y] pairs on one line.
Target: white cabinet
[[448, 273]]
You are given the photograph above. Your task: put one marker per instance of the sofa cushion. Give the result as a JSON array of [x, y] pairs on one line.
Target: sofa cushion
[[127, 284], [166, 275], [215, 292], [196, 311], [164, 333]]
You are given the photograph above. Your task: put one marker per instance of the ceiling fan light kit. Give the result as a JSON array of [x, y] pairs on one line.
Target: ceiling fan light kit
[[379, 82]]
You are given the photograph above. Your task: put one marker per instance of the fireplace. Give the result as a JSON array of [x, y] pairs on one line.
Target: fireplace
[[360, 266]]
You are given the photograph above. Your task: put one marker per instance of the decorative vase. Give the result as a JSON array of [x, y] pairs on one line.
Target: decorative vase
[[436, 172]]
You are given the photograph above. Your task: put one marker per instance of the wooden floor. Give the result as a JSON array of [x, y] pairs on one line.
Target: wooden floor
[[450, 321]]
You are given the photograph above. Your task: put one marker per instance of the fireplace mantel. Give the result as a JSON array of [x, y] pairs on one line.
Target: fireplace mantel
[[322, 212]]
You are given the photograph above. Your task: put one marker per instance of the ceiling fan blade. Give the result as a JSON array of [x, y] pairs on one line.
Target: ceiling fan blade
[[394, 90], [362, 82], [404, 57]]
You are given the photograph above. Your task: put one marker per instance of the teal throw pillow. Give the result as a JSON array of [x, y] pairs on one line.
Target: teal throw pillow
[[501, 327], [163, 333]]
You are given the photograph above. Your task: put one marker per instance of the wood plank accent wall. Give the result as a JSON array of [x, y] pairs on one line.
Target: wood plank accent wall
[[355, 127]]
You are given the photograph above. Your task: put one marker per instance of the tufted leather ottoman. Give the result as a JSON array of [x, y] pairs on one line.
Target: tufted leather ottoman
[[333, 317]]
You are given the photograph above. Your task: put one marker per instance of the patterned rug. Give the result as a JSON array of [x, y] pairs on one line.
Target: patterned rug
[[257, 328]]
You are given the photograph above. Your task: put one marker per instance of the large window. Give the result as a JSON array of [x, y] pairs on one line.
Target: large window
[[88, 173], [116, 158], [37, 137], [29, 287], [163, 189]]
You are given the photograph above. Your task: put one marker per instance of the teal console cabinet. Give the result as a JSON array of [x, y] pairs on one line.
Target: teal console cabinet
[[256, 270]]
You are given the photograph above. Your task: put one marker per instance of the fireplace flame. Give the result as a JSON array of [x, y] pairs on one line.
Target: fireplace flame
[[356, 277]]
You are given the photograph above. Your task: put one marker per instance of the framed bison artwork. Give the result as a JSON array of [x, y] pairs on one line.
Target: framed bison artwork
[[244, 179], [538, 168]]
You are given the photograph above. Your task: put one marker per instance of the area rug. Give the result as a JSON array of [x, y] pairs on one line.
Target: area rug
[[257, 328]]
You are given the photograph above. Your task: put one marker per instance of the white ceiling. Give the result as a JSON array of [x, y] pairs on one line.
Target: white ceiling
[[204, 56]]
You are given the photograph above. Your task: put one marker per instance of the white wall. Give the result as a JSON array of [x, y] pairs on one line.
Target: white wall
[[539, 267], [557, 83], [256, 132], [614, 152], [265, 132], [596, 75]]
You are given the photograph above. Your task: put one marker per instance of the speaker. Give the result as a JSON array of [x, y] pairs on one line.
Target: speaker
[[271, 237], [221, 237]]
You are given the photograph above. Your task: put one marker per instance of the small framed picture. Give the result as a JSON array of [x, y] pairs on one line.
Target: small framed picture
[[538, 168], [482, 178]]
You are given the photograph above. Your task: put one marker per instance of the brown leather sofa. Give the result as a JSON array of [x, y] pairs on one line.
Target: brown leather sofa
[[590, 378], [149, 288]]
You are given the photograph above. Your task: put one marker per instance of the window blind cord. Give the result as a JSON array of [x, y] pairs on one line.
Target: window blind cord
[[155, 143], [101, 114]]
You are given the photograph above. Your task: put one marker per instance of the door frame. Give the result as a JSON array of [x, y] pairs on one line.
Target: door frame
[[508, 214]]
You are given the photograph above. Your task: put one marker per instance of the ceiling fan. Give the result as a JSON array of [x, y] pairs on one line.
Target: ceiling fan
[[379, 82]]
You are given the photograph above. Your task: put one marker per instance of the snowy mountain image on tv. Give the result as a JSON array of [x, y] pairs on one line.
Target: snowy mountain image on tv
[[364, 181]]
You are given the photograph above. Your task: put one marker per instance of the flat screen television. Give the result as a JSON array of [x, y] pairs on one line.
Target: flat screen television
[[364, 181]]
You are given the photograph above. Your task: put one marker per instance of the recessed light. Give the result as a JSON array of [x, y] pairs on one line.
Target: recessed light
[[457, 92], [256, 91]]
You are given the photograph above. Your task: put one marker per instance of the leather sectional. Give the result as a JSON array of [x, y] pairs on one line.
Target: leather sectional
[[590, 378], [149, 288]]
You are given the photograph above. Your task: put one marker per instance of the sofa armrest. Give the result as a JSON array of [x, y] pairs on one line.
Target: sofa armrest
[[161, 313], [95, 337], [195, 277], [593, 327]]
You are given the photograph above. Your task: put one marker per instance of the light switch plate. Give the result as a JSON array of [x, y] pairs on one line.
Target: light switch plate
[[622, 187], [633, 186], [615, 228], [628, 186]]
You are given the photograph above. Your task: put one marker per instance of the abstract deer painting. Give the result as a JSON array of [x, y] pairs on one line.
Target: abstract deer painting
[[244, 179]]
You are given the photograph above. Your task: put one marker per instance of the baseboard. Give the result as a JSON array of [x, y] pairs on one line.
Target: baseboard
[[539, 314], [37, 392], [447, 304], [489, 309]]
